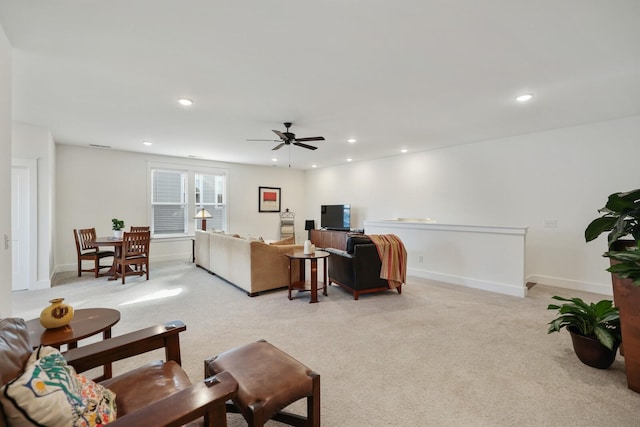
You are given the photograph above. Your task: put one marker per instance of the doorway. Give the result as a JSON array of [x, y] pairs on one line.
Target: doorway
[[23, 223]]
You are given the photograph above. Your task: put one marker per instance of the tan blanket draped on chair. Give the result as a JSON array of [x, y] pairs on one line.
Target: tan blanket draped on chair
[[393, 256]]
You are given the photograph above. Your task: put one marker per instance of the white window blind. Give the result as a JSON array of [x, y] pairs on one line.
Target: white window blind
[[168, 202], [210, 195]]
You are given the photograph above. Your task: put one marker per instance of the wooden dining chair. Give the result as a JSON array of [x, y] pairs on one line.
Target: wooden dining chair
[[135, 252], [87, 252], [137, 229]]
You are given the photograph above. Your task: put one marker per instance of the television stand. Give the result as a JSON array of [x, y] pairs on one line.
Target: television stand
[[328, 238]]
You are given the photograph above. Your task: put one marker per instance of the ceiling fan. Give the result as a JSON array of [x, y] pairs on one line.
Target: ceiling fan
[[289, 138]]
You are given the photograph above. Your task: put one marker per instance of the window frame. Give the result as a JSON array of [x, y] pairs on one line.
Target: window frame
[[190, 194]]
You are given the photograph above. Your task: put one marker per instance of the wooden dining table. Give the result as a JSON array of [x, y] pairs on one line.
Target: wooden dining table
[[117, 250]]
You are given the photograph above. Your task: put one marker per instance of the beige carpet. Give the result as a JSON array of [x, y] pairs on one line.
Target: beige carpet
[[437, 355]]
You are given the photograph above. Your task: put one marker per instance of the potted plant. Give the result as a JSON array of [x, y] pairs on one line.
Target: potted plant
[[622, 219], [594, 329], [117, 225], [625, 274]]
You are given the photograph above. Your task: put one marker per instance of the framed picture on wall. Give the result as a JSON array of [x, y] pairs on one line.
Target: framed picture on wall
[[268, 199]]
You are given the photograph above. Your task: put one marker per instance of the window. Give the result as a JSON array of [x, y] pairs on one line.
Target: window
[[210, 195], [179, 191], [168, 202]]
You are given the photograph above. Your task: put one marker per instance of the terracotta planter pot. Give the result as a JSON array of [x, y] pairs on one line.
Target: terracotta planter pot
[[620, 245], [627, 298], [591, 352]]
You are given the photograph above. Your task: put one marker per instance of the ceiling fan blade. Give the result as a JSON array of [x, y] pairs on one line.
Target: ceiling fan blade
[[281, 135], [300, 144], [313, 138], [267, 140], [277, 147]]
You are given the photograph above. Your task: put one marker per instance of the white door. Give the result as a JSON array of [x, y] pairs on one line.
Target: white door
[[23, 208]]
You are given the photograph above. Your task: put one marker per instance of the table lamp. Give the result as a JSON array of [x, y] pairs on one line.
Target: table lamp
[[203, 215], [309, 225]]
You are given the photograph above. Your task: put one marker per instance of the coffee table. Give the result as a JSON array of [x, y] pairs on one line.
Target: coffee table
[[301, 283], [86, 323]]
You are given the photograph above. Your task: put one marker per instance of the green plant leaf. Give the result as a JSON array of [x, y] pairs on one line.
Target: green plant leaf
[[599, 226], [619, 202], [604, 337], [625, 256]]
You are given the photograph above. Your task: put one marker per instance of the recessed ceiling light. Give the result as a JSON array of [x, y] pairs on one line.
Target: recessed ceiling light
[[314, 166], [184, 101], [351, 140], [147, 143], [524, 97], [349, 160], [404, 150], [274, 160]]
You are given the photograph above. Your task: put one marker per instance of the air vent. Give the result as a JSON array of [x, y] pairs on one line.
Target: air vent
[[99, 146]]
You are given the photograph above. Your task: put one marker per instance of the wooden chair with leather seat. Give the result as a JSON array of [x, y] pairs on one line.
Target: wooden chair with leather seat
[[156, 394], [135, 252], [137, 229], [87, 252]]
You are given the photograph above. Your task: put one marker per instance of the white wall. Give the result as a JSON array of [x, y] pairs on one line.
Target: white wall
[[563, 175], [35, 142], [5, 174], [95, 185]]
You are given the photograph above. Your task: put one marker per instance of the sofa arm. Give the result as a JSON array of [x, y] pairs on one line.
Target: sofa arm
[[341, 267], [128, 345], [203, 399]]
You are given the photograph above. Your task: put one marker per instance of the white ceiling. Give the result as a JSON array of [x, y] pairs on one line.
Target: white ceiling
[[414, 74]]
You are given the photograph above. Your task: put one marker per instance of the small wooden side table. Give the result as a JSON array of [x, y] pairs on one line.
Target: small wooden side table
[[301, 283], [86, 322]]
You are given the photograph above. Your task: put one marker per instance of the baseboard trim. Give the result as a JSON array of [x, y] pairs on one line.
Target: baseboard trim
[[470, 282], [596, 288], [159, 258]]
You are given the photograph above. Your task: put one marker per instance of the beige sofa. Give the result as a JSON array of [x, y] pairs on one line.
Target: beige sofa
[[249, 264]]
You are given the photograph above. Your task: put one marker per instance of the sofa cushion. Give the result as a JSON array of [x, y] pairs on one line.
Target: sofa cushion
[[49, 392], [354, 240], [160, 379], [288, 241], [14, 348]]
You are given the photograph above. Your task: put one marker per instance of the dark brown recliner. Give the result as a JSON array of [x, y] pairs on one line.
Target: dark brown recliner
[[156, 394], [357, 269]]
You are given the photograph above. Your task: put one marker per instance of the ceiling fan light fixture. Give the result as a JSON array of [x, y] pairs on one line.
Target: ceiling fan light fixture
[[349, 159], [147, 143], [185, 102], [404, 150], [351, 140]]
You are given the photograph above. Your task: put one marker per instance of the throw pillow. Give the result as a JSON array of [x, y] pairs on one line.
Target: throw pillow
[[287, 241], [98, 403], [49, 393]]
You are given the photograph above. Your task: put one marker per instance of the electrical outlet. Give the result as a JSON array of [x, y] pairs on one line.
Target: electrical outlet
[[550, 223]]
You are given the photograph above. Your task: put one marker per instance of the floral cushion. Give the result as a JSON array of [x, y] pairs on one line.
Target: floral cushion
[[49, 392]]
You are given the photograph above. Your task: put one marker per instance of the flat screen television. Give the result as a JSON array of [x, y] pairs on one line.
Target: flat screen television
[[335, 217]]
